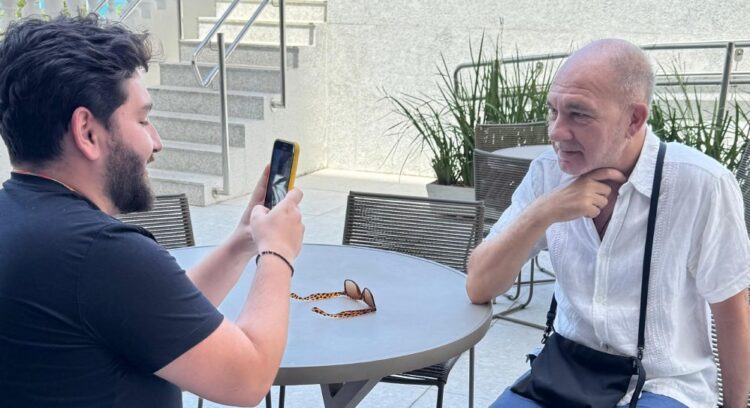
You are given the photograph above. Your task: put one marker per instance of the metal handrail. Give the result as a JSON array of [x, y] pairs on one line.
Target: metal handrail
[[129, 9], [733, 49], [125, 13], [207, 39], [220, 68]]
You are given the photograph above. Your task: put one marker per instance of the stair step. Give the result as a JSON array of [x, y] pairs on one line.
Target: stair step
[[185, 127], [194, 157], [295, 10], [197, 187], [263, 31], [265, 55], [245, 105], [239, 78]]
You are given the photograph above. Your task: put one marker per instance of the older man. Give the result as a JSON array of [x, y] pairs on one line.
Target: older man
[[588, 203], [93, 312]]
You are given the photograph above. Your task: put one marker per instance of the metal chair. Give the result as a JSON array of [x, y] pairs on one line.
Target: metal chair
[[495, 179], [443, 231], [491, 136], [169, 222]]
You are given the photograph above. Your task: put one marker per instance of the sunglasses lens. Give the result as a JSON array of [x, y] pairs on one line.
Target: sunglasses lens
[[352, 289], [368, 298]]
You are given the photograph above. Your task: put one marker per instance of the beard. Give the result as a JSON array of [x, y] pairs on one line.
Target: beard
[[126, 182]]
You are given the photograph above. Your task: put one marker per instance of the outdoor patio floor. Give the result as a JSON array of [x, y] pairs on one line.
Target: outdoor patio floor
[[500, 356]]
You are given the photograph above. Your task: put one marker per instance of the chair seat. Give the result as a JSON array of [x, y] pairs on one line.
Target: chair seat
[[432, 375]]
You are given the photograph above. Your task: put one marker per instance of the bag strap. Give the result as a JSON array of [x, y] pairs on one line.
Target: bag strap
[[655, 189]]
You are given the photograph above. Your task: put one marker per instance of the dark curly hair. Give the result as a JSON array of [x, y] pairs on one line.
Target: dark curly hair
[[50, 68]]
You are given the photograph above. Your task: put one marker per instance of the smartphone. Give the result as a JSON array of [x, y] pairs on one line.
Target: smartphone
[[283, 168]]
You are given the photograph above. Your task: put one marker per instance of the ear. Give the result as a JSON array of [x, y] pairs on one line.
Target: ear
[[88, 133], [638, 117]]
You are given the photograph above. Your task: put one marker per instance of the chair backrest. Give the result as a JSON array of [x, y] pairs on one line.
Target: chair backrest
[[490, 137], [443, 231], [495, 179], [169, 221]]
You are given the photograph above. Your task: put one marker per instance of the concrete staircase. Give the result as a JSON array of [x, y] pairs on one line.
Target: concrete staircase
[[187, 115]]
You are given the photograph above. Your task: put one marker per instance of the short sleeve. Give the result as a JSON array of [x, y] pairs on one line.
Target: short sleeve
[[722, 255], [135, 299], [528, 191]]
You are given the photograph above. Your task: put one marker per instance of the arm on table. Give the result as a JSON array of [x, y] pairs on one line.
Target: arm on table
[[732, 318], [237, 363]]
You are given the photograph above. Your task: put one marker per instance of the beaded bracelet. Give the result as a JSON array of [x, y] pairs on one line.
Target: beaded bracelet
[[277, 255]]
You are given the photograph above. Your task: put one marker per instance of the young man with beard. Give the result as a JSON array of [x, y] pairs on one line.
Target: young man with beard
[[94, 312], [588, 203]]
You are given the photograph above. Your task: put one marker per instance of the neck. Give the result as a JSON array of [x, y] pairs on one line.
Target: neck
[[632, 152], [82, 181]]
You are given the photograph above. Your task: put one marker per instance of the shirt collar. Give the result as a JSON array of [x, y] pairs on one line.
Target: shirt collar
[[642, 177]]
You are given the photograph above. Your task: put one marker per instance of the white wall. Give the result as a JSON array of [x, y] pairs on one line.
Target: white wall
[[396, 44], [4, 164]]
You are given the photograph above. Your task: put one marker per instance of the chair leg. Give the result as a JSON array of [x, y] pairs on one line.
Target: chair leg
[[504, 314], [282, 395], [471, 377], [200, 402], [269, 403], [543, 269], [518, 289], [441, 387]]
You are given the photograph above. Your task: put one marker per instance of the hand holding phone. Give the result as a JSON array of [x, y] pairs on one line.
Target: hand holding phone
[[283, 169]]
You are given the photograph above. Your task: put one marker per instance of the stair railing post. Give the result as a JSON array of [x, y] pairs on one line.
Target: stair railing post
[[282, 40], [224, 116], [728, 60]]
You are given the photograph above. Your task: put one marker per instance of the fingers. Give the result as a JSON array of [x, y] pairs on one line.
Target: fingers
[[294, 196], [259, 193]]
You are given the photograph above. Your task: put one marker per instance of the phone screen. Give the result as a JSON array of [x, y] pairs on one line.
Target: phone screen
[[282, 163]]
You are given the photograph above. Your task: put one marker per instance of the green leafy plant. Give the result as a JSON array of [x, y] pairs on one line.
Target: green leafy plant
[[681, 115], [517, 92], [444, 124]]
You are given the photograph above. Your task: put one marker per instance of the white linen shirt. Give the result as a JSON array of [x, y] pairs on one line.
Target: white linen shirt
[[701, 254]]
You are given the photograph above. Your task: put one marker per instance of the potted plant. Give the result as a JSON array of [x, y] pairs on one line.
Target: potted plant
[[445, 124]]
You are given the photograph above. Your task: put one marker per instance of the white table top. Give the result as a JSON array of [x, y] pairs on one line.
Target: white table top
[[424, 315], [528, 152]]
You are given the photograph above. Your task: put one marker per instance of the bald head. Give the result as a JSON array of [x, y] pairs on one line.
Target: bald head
[[625, 64]]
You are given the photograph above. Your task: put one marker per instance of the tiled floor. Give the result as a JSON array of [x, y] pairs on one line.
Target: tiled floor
[[499, 356]]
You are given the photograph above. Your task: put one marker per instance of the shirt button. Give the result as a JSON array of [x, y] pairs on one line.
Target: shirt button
[[600, 299]]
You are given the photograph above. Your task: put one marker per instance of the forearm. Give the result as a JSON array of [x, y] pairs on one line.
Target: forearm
[[734, 352], [732, 319], [265, 316], [217, 274], [495, 264]]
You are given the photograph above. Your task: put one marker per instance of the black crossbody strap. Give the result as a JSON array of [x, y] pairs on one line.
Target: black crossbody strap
[[655, 189]]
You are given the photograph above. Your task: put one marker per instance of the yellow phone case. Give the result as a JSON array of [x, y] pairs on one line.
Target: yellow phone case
[[295, 158]]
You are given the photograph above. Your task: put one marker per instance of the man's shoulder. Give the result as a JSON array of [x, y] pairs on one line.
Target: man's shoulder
[[690, 162]]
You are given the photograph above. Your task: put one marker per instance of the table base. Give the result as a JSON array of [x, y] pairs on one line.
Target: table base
[[346, 395]]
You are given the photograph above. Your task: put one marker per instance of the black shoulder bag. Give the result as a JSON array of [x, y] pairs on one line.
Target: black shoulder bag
[[568, 374]]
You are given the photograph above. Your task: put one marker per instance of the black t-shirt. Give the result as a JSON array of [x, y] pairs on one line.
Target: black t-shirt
[[90, 307]]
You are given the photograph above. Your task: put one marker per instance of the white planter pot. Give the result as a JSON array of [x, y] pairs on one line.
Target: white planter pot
[[444, 192]]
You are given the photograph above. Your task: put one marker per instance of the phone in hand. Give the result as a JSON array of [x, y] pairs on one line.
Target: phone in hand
[[283, 168]]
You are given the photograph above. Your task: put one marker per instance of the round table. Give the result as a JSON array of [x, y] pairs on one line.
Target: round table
[[424, 317], [528, 152]]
